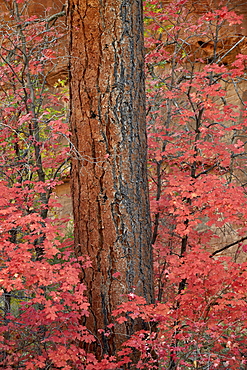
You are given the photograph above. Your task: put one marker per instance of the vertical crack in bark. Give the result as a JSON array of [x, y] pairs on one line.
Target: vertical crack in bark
[[109, 181]]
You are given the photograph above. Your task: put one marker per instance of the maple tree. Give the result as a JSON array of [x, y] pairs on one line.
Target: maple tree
[[196, 112], [42, 300], [198, 189]]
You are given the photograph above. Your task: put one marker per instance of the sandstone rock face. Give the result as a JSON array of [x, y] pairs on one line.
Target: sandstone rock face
[[47, 9], [197, 7], [188, 48], [35, 7], [200, 7], [55, 11]]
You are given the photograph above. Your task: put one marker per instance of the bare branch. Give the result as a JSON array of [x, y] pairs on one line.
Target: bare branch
[[228, 246]]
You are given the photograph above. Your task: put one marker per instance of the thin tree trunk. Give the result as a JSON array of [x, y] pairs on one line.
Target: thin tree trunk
[[109, 169]]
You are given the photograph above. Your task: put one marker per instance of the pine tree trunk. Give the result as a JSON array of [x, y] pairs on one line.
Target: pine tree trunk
[[109, 169]]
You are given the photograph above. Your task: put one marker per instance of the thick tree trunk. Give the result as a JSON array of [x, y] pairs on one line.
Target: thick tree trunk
[[109, 174]]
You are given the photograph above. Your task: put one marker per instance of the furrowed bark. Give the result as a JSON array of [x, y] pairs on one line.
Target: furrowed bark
[[109, 169]]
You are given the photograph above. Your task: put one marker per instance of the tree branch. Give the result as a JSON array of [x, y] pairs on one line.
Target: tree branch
[[228, 246]]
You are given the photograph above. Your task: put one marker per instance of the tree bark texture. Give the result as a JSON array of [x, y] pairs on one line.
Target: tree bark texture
[[109, 169]]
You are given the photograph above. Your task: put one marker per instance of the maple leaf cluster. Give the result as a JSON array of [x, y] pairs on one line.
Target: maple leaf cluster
[[197, 171], [197, 148], [42, 300]]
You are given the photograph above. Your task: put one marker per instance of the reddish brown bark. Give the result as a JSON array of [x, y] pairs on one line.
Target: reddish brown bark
[[109, 174]]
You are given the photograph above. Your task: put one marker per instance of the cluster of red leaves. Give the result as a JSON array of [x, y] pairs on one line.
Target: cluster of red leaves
[[202, 327], [198, 189], [42, 301], [198, 197]]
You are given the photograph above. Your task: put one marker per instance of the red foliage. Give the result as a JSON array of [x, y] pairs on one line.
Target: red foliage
[[42, 298], [198, 192], [198, 197]]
